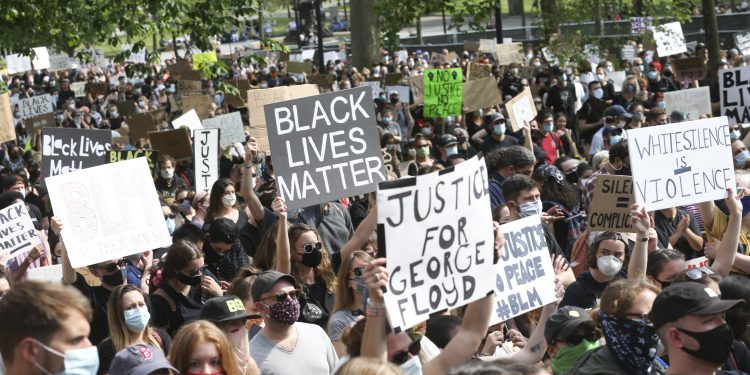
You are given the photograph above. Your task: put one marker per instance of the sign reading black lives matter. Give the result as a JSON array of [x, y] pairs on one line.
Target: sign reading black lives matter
[[67, 150], [17, 233], [35, 106], [681, 164], [525, 279], [438, 237], [735, 94], [325, 147]]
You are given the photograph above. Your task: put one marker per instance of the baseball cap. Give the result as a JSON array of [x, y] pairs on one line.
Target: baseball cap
[[225, 308], [563, 322], [496, 117], [655, 65], [448, 140], [688, 298], [223, 230], [266, 280], [617, 110], [139, 359]]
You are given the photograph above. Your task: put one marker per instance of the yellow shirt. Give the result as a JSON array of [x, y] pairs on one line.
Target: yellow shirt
[[719, 226]]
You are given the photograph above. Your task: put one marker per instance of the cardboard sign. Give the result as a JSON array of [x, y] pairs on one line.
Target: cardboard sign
[[200, 103], [481, 93], [443, 92], [299, 67], [331, 56], [188, 120], [506, 54], [203, 58], [140, 124], [521, 109], [41, 58], [734, 87], [104, 221], [393, 79], [471, 45], [126, 108], [50, 274], [439, 254], [118, 156], [691, 102], [257, 99], [67, 150], [325, 147], [697, 263], [618, 78], [231, 127], [7, 125], [669, 39], [628, 52], [639, 25], [670, 164], [137, 57], [172, 142], [417, 88], [487, 45], [17, 63], [35, 106], [35, 123], [189, 87], [206, 156], [610, 205], [478, 71], [79, 88], [17, 233], [402, 91], [190, 75], [374, 87], [59, 61], [688, 70], [121, 141], [308, 54], [99, 88], [742, 41], [322, 80], [525, 279]]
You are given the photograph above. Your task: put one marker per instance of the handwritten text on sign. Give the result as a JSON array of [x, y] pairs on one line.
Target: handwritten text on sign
[[525, 279], [66, 150], [35, 106], [735, 94], [325, 147], [206, 149], [17, 233], [443, 92], [610, 206], [438, 240], [670, 164]]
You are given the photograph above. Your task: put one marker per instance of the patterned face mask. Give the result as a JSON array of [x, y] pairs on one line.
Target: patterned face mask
[[632, 342]]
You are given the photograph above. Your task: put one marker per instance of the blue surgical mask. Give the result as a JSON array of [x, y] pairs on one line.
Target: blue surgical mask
[[137, 319], [599, 93], [59, 118], [426, 132], [600, 77], [219, 99], [615, 139], [83, 361], [185, 206], [499, 129], [734, 135], [170, 225], [638, 116], [451, 150], [530, 208], [663, 104], [741, 159], [387, 120], [652, 75], [547, 127]]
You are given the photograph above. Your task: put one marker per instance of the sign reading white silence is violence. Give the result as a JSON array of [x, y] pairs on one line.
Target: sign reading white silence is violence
[[680, 164], [436, 231], [325, 147]]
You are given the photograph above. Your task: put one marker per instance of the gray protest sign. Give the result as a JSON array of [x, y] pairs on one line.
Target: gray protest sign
[[35, 106]]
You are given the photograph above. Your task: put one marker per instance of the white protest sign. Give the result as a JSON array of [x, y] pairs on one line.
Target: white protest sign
[[50, 274], [35, 106], [440, 254], [18, 63], [138, 57], [681, 164], [41, 58], [330, 56], [188, 120], [617, 79], [308, 54], [735, 94], [697, 263], [507, 40], [104, 221], [525, 279], [401, 55], [206, 156], [669, 39], [17, 233], [402, 91], [628, 52], [59, 61], [296, 57], [691, 102], [79, 88], [487, 45], [232, 130], [374, 87]]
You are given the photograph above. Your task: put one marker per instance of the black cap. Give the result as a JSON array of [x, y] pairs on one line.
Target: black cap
[[225, 308], [688, 298], [563, 322], [266, 280], [448, 139], [223, 230]]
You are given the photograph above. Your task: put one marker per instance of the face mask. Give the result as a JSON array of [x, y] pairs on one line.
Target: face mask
[[452, 150], [600, 77], [633, 343], [638, 116], [427, 132], [59, 118], [312, 259], [615, 139], [449, 120], [741, 158], [718, 343], [530, 208], [423, 151], [114, 115], [185, 206], [189, 280], [167, 174], [114, 279], [610, 69], [83, 361], [170, 225], [564, 77], [229, 200], [394, 100], [608, 265], [572, 177], [598, 93], [499, 129], [734, 135], [141, 104], [513, 71], [286, 312], [663, 105], [567, 356], [630, 88], [412, 152], [137, 319], [219, 100], [640, 67], [652, 75], [547, 127], [412, 367], [386, 120]]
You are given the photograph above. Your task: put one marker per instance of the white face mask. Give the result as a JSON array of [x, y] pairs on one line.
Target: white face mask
[[229, 200], [83, 361], [530, 208], [451, 150], [609, 265], [137, 319], [167, 173], [412, 366]]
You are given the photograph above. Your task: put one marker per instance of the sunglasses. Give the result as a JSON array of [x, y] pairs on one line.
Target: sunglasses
[[112, 267], [196, 271], [697, 273], [283, 296], [403, 356], [170, 216], [309, 247]]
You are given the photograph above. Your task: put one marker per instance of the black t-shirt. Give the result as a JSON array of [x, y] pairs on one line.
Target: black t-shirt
[[107, 350], [490, 143], [585, 291], [98, 297], [187, 308], [315, 303], [666, 227], [251, 235], [591, 114], [36, 215], [562, 99], [663, 85]]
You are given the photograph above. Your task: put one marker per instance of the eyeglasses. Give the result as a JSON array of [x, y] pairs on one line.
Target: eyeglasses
[[309, 247], [283, 296], [403, 356], [196, 271], [181, 200], [642, 317], [112, 267]]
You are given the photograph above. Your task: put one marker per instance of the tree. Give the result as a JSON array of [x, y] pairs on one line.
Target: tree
[[712, 35], [365, 34]]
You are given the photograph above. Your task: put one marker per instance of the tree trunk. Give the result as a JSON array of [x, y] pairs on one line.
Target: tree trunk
[[515, 7], [598, 23], [638, 8], [712, 35], [550, 19], [419, 30], [364, 33], [260, 21]]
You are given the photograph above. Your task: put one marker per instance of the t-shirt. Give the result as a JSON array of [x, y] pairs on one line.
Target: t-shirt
[[98, 297], [339, 321], [719, 226], [315, 303], [188, 308], [551, 144], [585, 291], [490, 143], [312, 355], [666, 227]]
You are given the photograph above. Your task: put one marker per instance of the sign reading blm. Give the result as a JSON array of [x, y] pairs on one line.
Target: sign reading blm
[[325, 147]]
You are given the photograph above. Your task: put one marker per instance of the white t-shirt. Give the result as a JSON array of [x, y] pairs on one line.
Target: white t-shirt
[[313, 355]]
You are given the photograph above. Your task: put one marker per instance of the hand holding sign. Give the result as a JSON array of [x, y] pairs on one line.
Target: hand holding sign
[[376, 277], [279, 208]]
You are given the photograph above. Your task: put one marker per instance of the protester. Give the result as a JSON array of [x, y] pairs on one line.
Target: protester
[[229, 315], [202, 348], [141, 359]]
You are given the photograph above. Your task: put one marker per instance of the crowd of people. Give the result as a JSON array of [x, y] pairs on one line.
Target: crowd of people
[[250, 287]]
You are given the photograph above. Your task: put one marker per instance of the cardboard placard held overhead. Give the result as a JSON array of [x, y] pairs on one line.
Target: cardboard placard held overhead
[[670, 164], [507, 54], [521, 108], [734, 92], [487, 45], [134, 219], [257, 99], [206, 156], [51, 274], [242, 85], [7, 125], [41, 58], [742, 41], [18, 63], [443, 92], [688, 70], [374, 87], [79, 88], [172, 142], [35, 106], [471, 45], [59, 61], [99, 88], [618, 78], [299, 67], [35, 123], [67, 150], [628, 52], [697, 263], [610, 204], [393, 79], [322, 80], [481, 93], [140, 124], [669, 39], [402, 91], [126, 108], [200, 103], [17, 229], [189, 87], [417, 89], [231, 127], [325, 147], [118, 156], [429, 247], [478, 71], [693, 103]]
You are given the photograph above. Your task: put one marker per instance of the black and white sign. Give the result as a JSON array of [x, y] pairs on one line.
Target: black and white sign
[[66, 150], [735, 94], [17, 233], [35, 106], [206, 156]]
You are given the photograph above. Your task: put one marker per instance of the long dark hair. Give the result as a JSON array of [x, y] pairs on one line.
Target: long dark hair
[[178, 256], [565, 194], [217, 192]]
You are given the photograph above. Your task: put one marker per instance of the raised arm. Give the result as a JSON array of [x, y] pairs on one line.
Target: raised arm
[[283, 256], [374, 338], [641, 221], [534, 350], [725, 255], [361, 234], [69, 274], [248, 184]]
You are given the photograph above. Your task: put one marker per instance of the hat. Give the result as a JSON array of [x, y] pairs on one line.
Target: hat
[[496, 117], [223, 230], [655, 65], [266, 280], [448, 140], [199, 197], [139, 359], [225, 308], [563, 322], [617, 110], [688, 298], [549, 171], [677, 116], [609, 129]]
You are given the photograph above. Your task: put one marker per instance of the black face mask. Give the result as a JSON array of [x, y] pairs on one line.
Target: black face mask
[[189, 280], [572, 177], [624, 171], [312, 259], [114, 279], [715, 344], [394, 101]]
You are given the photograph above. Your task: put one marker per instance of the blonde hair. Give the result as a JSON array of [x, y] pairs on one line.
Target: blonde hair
[[324, 270], [368, 366], [344, 294], [118, 331], [198, 332]]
